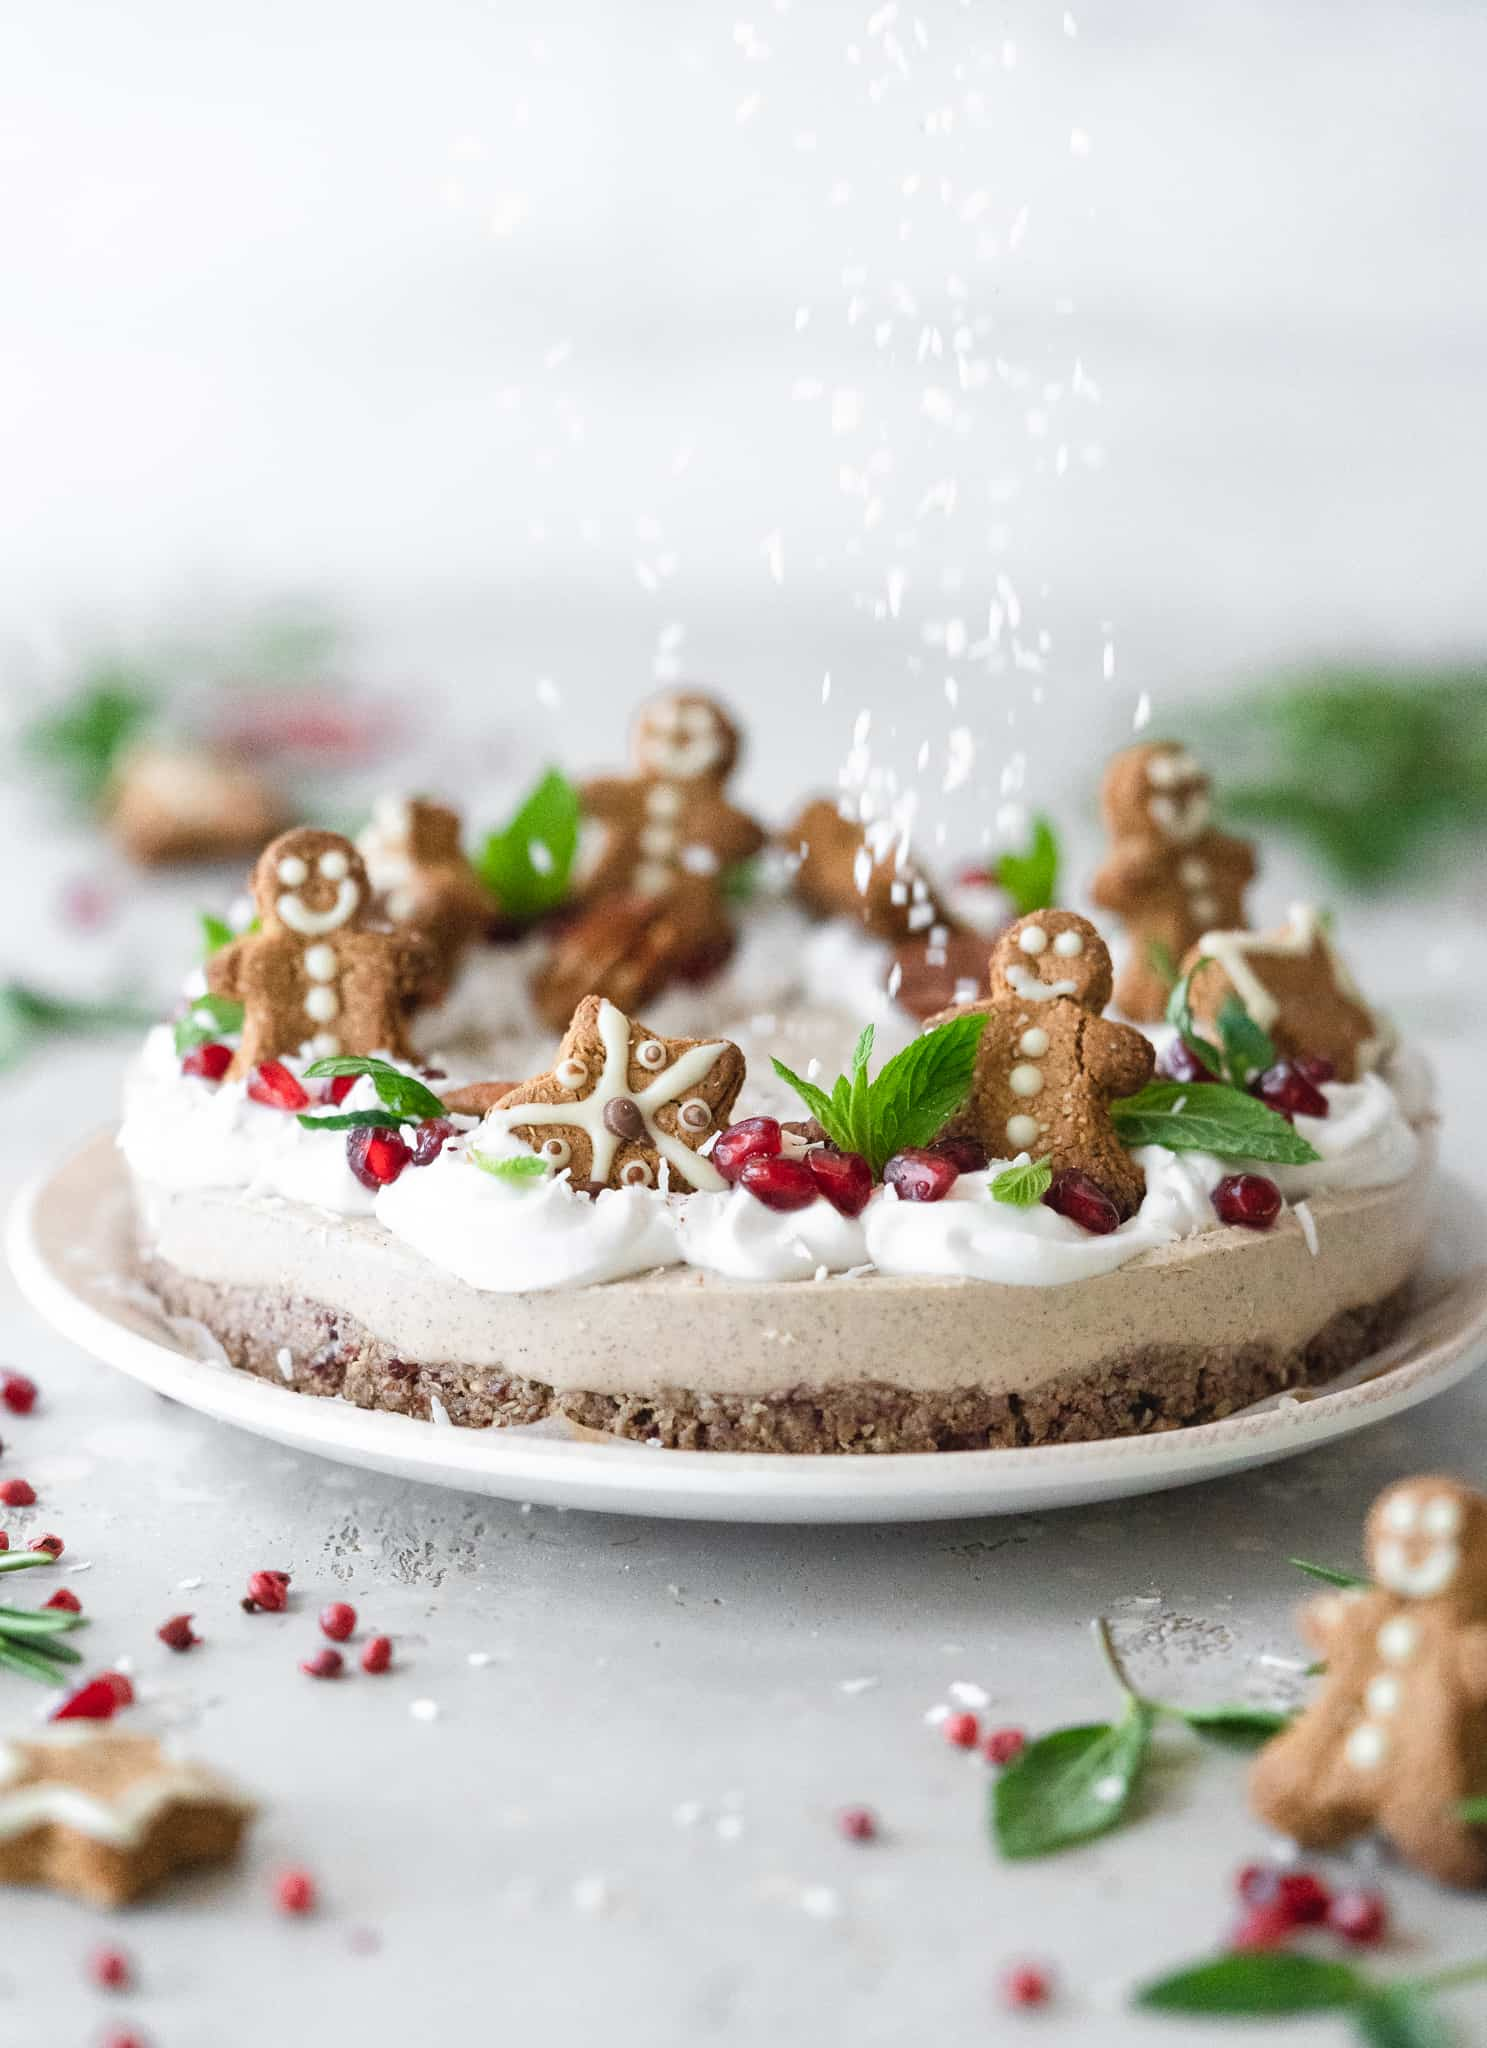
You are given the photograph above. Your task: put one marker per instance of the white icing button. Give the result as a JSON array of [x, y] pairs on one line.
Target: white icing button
[[1365, 1747], [658, 841], [1382, 1695], [1192, 873], [651, 1053], [1162, 771], [1205, 908], [1402, 1513], [1033, 940], [1068, 944], [325, 1045], [1034, 1042], [1023, 1130], [292, 871], [322, 1003], [570, 1073], [1025, 1081], [334, 865], [401, 905], [651, 879], [320, 962], [663, 800], [1442, 1516], [1397, 1639]]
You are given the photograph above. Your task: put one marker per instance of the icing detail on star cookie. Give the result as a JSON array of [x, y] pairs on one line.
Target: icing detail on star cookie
[[1295, 985]]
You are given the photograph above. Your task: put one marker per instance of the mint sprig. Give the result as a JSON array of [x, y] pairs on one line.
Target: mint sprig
[[1209, 1116], [207, 1019], [1328, 1574], [517, 1166], [28, 1635], [1244, 1048], [1030, 878], [1023, 1186], [404, 1096], [908, 1102], [81, 741], [216, 932], [29, 1016], [527, 864], [1393, 2012]]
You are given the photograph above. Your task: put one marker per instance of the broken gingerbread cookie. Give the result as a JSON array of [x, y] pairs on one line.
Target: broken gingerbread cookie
[[1295, 985], [108, 1816], [621, 1103], [173, 803], [318, 973], [864, 873], [1170, 874], [1049, 1064], [1396, 1739], [630, 948], [420, 877]]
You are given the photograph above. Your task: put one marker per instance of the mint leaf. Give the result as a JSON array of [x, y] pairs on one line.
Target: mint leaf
[[1247, 1049], [352, 1120], [527, 864], [920, 1089], [1398, 2016], [216, 933], [209, 1018], [1159, 956], [1180, 1017], [1071, 1785], [739, 881], [82, 740], [402, 1093], [1208, 1116], [1022, 1186], [820, 1105], [520, 1165], [1327, 1573], [1473, 1811], [1031, 878], [1238, 1727], [1271, 1985], [28, 1016]]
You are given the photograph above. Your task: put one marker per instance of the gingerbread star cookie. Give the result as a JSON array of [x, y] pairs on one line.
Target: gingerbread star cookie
[[1296, 987], [1170, 875], [318, 973], [620, 1101], [862, 872], [107, 1816], [1396, 1738], [420, 877], [1049, 1065]]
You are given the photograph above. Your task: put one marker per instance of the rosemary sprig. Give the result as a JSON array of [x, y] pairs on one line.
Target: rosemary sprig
[[29, 1636]]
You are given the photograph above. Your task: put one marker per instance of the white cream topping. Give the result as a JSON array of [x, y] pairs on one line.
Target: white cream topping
[[1364, 1141], [736, 1235]]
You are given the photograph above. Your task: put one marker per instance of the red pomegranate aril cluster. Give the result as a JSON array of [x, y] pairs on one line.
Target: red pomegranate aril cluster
[[1249, 1199], [109, 1969], [844, 1178], [779, 1183], [177, 1633], [1287, 1090], [858, 1823], [962, 1731], [1074, 1194], [377, 1656], [1315, 1067], [268, 1590], [429, 1140], [1178, 1062], [207, 1062], [18, 1393], [65, 1600], [338, 1087], [966, 1155], [275, 1087], [1004, 1746], [376, 1157], [323, 1664], [1359, 1917], [294, 1891], [1026, 1985], [918, 1174], [96, 1699], [338, 1620], [755, 1137], [17, 1493], [52, 1545]]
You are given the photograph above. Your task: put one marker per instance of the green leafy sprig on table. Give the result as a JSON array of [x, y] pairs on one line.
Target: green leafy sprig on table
[[207, 1019], [29, 1642], [908, 1102], [1379, 770], [1030, 878], [1387, 2012], [404, 1098], [528, 863], [1021, 1187], [81, 741], [29, 1016], [1076, 1783]]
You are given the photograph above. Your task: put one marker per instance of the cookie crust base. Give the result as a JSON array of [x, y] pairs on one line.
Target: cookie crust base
[[315, 1349]]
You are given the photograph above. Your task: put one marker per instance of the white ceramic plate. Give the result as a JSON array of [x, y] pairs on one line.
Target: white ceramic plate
[[69, 1245]]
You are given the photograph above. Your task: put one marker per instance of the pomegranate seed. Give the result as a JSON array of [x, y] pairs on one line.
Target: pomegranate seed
[[324, 1664], [430, 1139], [377, 1655], [177, 1633], [963, 1730], [273, 1085], [338, 1620], [376, 1157], [1026, 1985], [1255, 1882], [269, 1590], [95, 1700], [18, 1393], [126, 2041], [120, 1687], [66, 1600], [109, 1969], [844, 1178], [779, 1183], [1361, 1917], [919, 1175], [1004, 1745], [757, 1137], [4, 1540], [1247, 1198], [207, 1062], [1073, 1194], [339, 1086], [294, 1891], [52, 1545], [1286, 1089], [17, 1493], [1301, 1894], [966, 1155], [1315, 1067], [1178, 1062], [1263, 1927], [858, 1823]]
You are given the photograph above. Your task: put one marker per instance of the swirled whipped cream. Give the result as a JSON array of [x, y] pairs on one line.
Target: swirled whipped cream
[[1364, 1139], [737, 1235]]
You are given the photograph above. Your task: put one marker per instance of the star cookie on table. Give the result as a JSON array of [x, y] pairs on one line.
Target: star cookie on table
[[107, 1816], [1296, 987], [620, 1101]]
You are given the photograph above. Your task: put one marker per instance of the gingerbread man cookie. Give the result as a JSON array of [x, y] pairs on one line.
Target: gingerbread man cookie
[[107, 1816], [628, 948], [1296, 988], [1397, 1737], [863, 872], [420, 876], [620, 1100], [1049, 1065], [317, 973], [1170, 875]]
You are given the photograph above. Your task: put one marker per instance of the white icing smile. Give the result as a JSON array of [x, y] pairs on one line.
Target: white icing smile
[[1180, 817], [1023, 982], [1425, 1577], [310, 924]]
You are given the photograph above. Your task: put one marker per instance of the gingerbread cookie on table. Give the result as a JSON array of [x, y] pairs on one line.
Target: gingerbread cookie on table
[[170, 803], [1295, 986], [1397, 1736], [1170, 874], [420, 876], [107, 1816], [1049, 1064], [620, 1101], [318, 973]]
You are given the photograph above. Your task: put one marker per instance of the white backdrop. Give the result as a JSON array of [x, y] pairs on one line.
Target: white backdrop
[[566, 344]]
